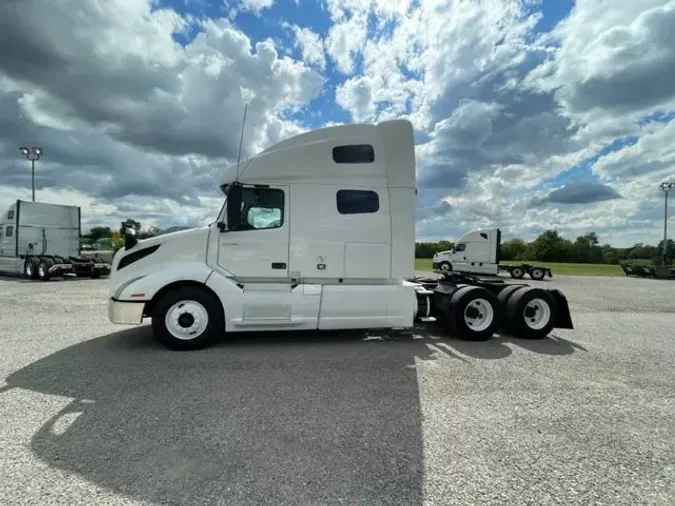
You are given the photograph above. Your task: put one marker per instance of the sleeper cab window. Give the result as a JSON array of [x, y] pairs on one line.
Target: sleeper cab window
[[354, 153], [263, 208], [357, 202], [10, 215]]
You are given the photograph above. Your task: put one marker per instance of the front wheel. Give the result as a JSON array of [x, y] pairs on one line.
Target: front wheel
[[187, 318], [445, 266]]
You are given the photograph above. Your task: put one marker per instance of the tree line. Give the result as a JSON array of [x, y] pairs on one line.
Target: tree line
[[550, 246]]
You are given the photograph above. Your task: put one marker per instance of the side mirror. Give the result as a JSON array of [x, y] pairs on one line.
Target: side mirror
[[234, 196], [130, 239]]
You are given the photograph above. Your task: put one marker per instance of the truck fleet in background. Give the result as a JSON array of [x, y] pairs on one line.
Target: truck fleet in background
[[42, 241]]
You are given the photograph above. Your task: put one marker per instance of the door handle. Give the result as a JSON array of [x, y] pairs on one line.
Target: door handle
[[230, 243], [278, 265]]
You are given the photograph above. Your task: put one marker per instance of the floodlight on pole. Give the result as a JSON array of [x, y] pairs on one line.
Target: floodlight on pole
[[667, 187], [33, 154]]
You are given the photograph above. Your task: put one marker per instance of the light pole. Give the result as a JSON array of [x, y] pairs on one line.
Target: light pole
[[33, 154], [666, 187]]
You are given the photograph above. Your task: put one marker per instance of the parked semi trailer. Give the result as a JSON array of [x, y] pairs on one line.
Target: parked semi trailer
[[478, 252], [316, 232], [42, 241]]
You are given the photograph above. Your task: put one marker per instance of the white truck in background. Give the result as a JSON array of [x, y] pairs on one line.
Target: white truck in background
[[41, 241], [478, 252], [316, 232]]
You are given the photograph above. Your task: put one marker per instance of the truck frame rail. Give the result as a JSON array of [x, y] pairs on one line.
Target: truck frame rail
[[45, 267]]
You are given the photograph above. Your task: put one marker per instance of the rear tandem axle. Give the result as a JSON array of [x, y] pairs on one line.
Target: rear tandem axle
[[475, 309]]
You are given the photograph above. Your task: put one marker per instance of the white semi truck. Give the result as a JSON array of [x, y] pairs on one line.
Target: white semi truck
[[316, 232], [42, 241], [478, 252]]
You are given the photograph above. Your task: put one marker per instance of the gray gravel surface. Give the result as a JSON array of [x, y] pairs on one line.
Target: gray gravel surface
[[99, 414]]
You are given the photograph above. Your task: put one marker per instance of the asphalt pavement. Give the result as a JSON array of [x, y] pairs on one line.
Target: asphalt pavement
[[92, 413]]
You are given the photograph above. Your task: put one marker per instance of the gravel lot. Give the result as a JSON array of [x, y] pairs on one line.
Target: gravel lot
[[99, 414]]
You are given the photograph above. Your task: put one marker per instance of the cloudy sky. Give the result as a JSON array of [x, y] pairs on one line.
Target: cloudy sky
[[529, 114]]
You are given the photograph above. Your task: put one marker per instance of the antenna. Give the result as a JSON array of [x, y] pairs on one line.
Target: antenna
[[241, 140]]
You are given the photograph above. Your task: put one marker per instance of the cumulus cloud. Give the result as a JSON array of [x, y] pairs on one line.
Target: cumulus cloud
[[502, 110], [133, 119], [256, 6], [121, 109], [582, 192], [615, 60], [311, 46]]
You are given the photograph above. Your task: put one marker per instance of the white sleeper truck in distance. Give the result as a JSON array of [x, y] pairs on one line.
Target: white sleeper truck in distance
[[478, 252], [316, 232], [42, 241]]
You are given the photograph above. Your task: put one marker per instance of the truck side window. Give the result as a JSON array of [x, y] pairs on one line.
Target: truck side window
[[10, 215], [460, 247], [354, 153], [262, 208], [9, 231], [357, 201]]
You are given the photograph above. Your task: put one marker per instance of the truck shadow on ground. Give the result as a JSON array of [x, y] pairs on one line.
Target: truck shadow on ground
[[499, 347], [263, 418], [260, 421]]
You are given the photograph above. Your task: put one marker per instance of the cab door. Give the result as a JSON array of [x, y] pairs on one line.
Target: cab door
[[460, 262], [7, 239], [259, 252]]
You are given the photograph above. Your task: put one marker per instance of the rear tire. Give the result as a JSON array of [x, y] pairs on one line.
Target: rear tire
[[43, 269], [188, 318], [537, 274], [474, 313], [517, 272], [531, 313], [30, 268], [504, 297]]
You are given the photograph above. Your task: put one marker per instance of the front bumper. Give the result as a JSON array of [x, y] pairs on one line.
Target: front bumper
[[435, 265], [129, 313]]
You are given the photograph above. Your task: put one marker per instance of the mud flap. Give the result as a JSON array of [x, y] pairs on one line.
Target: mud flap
[[563, 317]]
